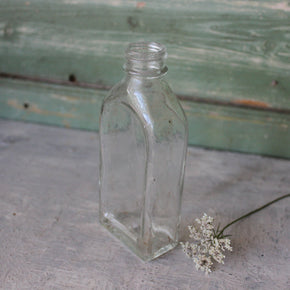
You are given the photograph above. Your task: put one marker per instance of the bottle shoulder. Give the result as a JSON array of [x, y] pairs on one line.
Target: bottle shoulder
[[146, 89], [116, 92], [150, 99]]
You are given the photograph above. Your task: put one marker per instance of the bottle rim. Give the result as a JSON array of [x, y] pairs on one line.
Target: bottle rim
[[146, 50], [146, 58]]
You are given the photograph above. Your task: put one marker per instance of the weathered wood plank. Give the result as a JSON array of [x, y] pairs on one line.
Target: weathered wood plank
[[230, 50], [51, 239], [219, 127], [55, 105]]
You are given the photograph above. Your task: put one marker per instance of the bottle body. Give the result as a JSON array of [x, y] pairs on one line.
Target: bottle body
[[143, 138]]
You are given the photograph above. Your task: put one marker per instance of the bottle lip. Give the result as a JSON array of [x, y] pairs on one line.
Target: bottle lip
[[146, 51], [147, 74], [146, 59]]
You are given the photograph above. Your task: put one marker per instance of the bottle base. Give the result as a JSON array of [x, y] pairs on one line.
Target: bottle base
[[129, 239]]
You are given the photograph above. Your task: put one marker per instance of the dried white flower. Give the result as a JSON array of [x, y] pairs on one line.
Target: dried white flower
[[203, 263], [208, 244], [225, 244]]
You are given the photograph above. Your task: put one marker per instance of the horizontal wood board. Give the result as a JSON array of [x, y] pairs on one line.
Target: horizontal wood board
[[244, 130], [228, 50]]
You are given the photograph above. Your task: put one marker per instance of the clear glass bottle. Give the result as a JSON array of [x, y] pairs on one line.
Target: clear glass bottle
[[143, 141]]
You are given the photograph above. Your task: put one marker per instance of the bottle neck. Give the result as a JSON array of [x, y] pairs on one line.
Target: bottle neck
[[145, 60]]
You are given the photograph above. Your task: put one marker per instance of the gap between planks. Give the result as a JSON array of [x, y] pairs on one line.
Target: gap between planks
[[247, 104]]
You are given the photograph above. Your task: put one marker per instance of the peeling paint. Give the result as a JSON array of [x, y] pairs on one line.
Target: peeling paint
[[140, 4], [66, 124], [284, 6], [214, 115], [284, 126], [35, 109], [217, 116], [69, 99], [252, 103]]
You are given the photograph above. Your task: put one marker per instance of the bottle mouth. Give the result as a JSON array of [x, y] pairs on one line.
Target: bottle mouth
[[144, 51], [146, 59]]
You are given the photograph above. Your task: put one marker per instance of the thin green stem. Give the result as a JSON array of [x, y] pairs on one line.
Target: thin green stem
[[220, 234]]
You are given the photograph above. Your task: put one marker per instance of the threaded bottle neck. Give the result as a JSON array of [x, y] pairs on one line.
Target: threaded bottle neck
[[146, 59]]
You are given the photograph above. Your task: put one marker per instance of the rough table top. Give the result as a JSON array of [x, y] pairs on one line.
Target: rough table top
[[50, 237]]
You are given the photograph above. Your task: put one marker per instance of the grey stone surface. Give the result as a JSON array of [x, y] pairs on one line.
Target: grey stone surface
[[50, 237]]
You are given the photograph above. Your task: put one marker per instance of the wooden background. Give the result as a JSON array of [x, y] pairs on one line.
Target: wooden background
[[229, 63]]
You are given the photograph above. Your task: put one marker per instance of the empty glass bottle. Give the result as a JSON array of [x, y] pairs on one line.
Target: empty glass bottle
[[143, 141]]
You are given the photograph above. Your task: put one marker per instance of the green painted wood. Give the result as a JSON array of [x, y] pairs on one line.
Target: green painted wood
[[71, 107], [226, 50], [244, 130]]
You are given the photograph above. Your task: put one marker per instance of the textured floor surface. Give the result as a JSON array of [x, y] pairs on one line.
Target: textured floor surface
[[50, 237]]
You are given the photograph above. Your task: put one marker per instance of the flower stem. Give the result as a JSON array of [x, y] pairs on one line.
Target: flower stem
[[220, 234]]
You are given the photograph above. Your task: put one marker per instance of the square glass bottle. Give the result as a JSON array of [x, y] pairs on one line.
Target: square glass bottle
[[143, 142]]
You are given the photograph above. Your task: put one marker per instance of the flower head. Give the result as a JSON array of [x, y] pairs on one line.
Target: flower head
[[208, 244], [203, 263]]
